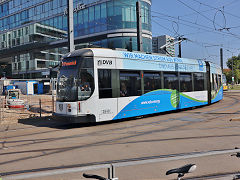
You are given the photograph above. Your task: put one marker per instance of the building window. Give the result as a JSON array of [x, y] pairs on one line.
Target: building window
[[41, 64], [4, 37], [18, 41], [27, 65], [103, 10], [19, 66], [15, 66], [2, 45], [26, 30]]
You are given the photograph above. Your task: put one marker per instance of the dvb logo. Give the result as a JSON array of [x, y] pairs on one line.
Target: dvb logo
[[104, 62]]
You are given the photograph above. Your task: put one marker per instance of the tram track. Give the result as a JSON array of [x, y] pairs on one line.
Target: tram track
[[48, 140], [115, 161], [67, 125], [99, 143], [31, 153], [38, 141], [117, 143], [110, 130]]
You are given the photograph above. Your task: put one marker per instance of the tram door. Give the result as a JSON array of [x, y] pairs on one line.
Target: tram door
[[107, 105], [208, 81], [171, 82]]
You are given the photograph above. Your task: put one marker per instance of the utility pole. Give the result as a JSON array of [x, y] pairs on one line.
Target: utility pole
[[221, 58], [179, 47], [139, 27], [232, 72], [232, 67], [70, 26]]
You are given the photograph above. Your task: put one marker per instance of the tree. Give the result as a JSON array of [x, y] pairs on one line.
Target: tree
[[228, 76], [237, 75], [236, 67]]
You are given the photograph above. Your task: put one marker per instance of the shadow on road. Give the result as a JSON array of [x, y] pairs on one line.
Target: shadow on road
[[48, 121], [60, 123]]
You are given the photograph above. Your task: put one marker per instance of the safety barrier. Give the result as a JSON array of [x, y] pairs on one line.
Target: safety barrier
[[111, 167]]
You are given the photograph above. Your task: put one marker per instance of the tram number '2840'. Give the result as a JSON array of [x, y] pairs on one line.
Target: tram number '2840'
[[106, 111], [104, 62]]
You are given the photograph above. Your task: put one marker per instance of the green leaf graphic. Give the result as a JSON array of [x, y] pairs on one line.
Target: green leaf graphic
[[174, 98]]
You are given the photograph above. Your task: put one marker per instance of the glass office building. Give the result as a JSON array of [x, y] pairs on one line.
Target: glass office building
[[33, 33]]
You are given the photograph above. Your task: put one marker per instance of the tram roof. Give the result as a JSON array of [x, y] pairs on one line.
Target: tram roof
[[98, 52], [109, 53]]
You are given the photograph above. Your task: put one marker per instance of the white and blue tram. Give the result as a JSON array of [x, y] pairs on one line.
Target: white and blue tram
[[102, 84]]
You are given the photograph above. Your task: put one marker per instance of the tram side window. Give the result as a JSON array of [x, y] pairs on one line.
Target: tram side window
[[214, 82], [104, 83], [170, 80], [199, 83], [130, 83], [220, 81], [185, 82], [152, 81], [217, 81]]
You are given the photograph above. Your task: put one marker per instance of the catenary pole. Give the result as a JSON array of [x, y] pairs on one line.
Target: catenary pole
[[179, 47], [139, 27], [70, 26], [221, 58]]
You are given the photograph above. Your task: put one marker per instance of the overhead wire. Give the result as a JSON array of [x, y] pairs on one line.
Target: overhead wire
[[186, 20], [196, 26], [212, 30], [205, 45], [162, 26], [204, 28], [228, 32], [219, 8], [196, 11], [211, 8], [223, 12]]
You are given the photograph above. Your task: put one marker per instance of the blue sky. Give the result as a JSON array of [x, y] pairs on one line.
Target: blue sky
[[207, 24]]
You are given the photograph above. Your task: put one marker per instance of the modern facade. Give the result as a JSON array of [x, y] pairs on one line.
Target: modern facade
[[167, 44], [33, 33]]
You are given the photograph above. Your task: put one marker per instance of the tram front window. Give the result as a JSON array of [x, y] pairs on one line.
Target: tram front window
[[75, 80]]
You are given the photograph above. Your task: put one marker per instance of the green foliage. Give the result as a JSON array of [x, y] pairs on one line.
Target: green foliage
[[228, 77], [237, 76], [235, 61]]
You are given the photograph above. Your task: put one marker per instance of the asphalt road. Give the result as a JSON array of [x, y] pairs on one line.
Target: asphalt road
[[39, 146]]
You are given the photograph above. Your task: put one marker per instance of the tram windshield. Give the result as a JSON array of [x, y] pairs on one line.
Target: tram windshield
[[75, 79]]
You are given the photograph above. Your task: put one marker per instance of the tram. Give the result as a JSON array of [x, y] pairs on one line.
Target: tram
[[103, 84]]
